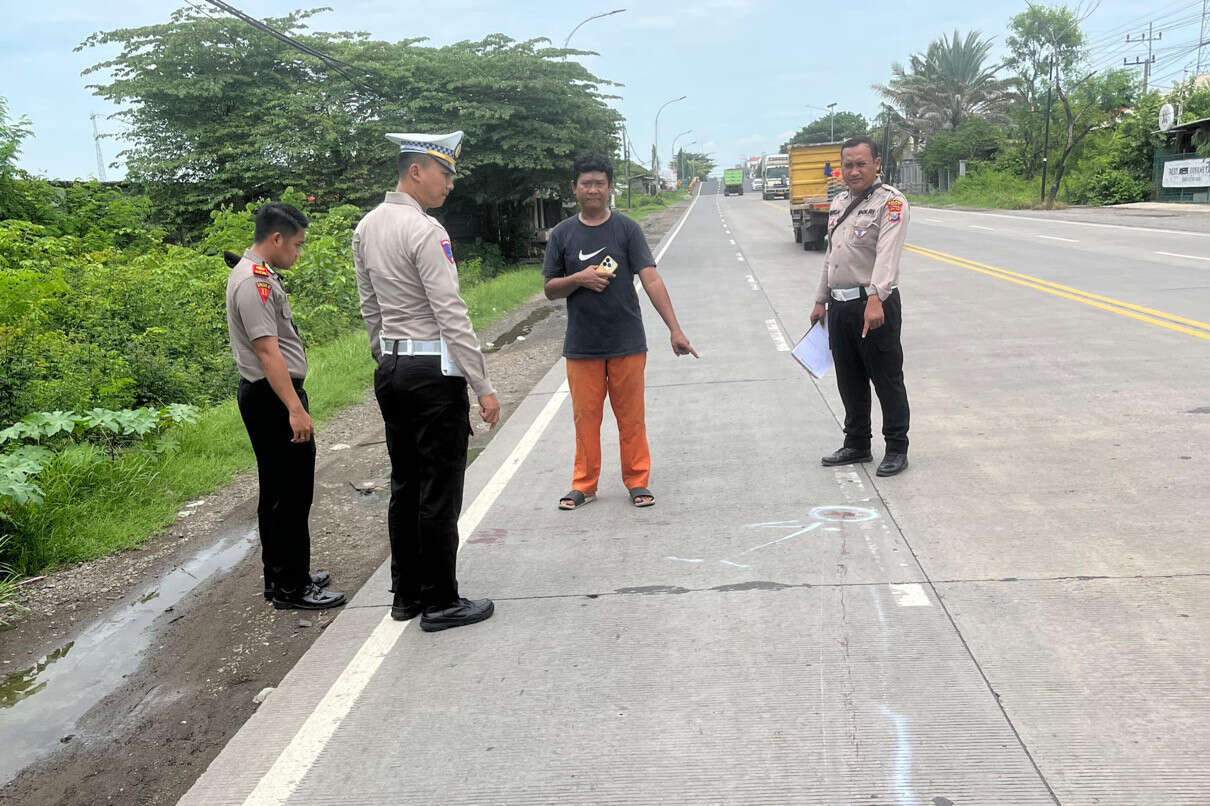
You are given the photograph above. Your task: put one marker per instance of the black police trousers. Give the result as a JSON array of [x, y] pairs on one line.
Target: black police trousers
[[427, 418], [877, 358], [286, 471]]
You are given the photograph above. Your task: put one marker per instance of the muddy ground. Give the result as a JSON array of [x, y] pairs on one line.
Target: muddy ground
[[211, 652]]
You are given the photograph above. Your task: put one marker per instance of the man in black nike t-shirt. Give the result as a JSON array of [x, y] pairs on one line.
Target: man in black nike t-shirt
[[591, 260]]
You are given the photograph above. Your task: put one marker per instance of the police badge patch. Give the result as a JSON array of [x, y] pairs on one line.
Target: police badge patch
[[893, 208], [264, 289], [449, 251]]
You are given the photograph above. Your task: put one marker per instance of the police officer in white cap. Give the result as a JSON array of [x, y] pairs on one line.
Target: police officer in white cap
[[427, 354]]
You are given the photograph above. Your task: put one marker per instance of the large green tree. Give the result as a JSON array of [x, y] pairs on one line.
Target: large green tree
[[1040, 39], [1047, 41], [949, 82], [220, 113], [820, 130]]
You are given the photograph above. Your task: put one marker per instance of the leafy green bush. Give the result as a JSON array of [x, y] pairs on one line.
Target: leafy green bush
[[986, 186]]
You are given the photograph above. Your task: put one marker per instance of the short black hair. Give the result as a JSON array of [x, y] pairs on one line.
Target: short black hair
[[591, 162], [278, 217], [861, 140], [406, 159]]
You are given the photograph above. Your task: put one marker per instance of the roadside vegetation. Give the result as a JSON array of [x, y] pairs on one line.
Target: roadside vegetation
[[644, 205], [116, 379], [951, 104]]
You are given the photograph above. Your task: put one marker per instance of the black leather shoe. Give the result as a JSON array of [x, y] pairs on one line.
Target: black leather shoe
[[311, 597], [847, 456], [893, 464], [406, 609], [320, 578], [459, 614]]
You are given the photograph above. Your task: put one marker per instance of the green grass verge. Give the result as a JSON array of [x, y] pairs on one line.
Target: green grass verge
[[995, 190], [95, 504], [644, 205]]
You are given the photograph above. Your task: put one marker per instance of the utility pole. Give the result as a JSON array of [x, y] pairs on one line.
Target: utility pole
[[1148, 37], [96, 139], [626, 156], [1050, 69], [1201, 39], [832, 121]]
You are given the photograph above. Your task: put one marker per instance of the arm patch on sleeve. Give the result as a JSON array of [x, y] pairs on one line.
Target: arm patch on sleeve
[[449, 250], [265, 290], [893, 208]]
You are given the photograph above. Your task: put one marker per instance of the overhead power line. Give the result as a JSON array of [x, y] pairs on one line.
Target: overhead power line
[[335, 64]]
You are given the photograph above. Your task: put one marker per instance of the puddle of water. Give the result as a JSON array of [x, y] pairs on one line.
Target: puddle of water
[[521, 329], [41, 704]]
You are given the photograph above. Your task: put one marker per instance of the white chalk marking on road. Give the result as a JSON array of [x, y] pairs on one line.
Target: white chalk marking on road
[[831, 529], [1190, 257], [976, 226], [684, 559], [772, 524], [737, 565], [779, 341], [1057, 238], [296, 759], [910, 595], [283, 778], [801, 531]]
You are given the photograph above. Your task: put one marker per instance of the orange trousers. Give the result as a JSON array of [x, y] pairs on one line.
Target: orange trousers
[[622, 379]]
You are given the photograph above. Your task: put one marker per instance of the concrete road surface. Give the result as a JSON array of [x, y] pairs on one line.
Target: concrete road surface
[[1021, 618]]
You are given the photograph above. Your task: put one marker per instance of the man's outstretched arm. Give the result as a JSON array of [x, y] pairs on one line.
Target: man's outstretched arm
[[657, 292]]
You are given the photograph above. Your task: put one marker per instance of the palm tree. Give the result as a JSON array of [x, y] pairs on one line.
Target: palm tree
[[947, 83]]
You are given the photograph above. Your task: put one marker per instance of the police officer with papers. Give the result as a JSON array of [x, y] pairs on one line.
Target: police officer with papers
[[867, 225]]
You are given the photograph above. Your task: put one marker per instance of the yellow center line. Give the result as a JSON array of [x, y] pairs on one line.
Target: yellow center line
[[1126, 309], [776, 206]]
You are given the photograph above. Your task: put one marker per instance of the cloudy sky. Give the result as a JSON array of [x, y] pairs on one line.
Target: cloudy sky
[[752, 69]]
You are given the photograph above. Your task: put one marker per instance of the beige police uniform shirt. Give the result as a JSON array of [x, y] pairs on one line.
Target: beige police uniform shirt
[[257, 307], [408, 283], [866, 247]]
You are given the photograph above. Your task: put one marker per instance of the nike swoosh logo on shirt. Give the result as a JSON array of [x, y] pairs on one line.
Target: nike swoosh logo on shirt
[[594, 254]]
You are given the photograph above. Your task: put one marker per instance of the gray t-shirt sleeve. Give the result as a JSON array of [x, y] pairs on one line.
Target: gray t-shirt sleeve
[[638, 252], [552, 263], [256, 307]]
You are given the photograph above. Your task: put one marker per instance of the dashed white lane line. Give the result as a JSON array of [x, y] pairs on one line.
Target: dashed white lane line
[[739, 257], [976, 226], [910, 595], [752, 282], [1187, 257], [1057, 238], [733, 242], [933, 220], [779, 341]]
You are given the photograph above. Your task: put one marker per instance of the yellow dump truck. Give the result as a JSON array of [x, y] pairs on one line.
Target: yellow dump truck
[[812, 188]]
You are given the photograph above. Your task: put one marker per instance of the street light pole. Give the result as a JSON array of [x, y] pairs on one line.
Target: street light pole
[[678, 137], [656, 148], [832, 121], [1046, 141], [590, 19]]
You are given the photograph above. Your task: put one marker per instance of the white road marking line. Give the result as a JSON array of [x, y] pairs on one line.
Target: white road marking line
[[779, 340], [733, 242], [1057, 238], [933, 220], [740, 258], [288, 770], [1072, 223], [1190, 257], [752, 282], [976, 226], [910, 595]]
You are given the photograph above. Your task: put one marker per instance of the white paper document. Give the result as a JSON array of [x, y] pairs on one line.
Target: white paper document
[[813, 352]]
